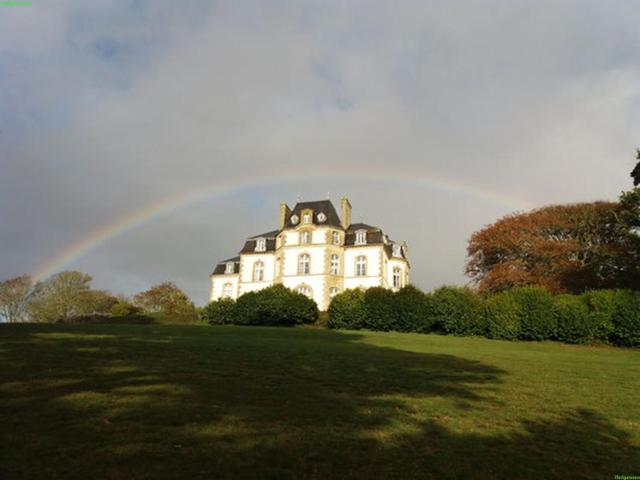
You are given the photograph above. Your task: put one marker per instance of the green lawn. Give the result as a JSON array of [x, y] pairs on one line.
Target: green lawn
[[191, 402]]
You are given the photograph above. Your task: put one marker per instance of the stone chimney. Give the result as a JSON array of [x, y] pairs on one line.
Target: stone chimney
[[285, 211], [345, 206]]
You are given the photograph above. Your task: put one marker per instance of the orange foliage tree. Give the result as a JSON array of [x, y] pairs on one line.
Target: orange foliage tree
[[565, 248]]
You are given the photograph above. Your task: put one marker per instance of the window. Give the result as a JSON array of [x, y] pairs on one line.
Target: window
[[335, 238], [229, 267], [261, 245], [397, 250], [333, 291], [361, 266], [361, 237], [226, 290], [306, 218], [305, 238], [304, 264], [305, 290], [335, 264], [258, 271], [397, 278]]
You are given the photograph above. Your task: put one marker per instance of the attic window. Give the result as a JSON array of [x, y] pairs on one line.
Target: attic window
[[397, 250], [294, 219], [229, 267], [361, 237], [322, 217], [306, 218], [261, 245]]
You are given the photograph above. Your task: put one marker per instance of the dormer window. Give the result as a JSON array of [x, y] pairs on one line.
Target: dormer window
[[229, 267], [397, 250], [261, 245], [306, 218], [361, 237], [322, 217]]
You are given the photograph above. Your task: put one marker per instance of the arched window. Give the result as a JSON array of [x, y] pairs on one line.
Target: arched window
[[304, 264], [261, 245], [397, 277], [305, 290], [227, 290], [361, 237], [335, 264], [305, 237], [335, 238], [361, 266], [333, 291], [258, 271]]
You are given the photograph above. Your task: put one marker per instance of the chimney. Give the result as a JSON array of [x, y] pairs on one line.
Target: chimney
[[285, 211], [345, 206]]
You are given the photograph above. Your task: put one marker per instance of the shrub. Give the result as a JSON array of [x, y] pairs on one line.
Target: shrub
[[220, 312], [414, 310], [537, 318], [626, 319], [601, 305], [276, 305], [381, 311], [347, 310], [458, 311], [502, 315], [124, 309], [572, 317]]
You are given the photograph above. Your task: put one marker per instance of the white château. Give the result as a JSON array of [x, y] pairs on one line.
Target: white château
[[315, 252]]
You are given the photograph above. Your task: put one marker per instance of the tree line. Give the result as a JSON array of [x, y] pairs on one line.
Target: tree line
[[67, 297]]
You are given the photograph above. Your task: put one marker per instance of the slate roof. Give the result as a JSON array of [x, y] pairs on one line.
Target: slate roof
[[221, 266], [324, 206], [250, 245]]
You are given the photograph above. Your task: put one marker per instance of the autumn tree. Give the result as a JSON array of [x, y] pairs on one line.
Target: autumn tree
[[167, 299], [14, 296], [565, 248]]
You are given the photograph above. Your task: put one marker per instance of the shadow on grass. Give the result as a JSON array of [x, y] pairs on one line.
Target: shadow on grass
[[199, 402]]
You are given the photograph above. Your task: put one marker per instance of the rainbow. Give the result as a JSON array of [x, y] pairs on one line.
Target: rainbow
[[177, 201]]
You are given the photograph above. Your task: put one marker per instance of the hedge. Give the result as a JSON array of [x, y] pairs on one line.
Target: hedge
[[626, 318], [536, 312], [272, 306], [458, 311], [502, 314], [575, 325], [347, 310]]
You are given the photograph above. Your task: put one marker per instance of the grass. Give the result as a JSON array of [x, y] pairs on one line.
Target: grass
[[198, 402]]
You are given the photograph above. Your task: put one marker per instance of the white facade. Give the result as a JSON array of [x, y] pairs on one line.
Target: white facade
[[316, 252]]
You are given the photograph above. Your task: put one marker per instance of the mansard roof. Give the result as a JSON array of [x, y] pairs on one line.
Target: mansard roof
[[221, 266], [271, 234], [250, 245], [361, 226], [324, 206]]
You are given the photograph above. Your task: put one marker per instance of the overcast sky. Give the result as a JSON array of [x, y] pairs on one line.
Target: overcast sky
[[434, 118]]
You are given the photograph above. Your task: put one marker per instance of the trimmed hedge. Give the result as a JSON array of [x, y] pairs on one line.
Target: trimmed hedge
[[502, 314], [601, 305], [347, 310], [414, 310], [626, 319], [220, 312], [536, 312], [272, 306], [573, 319], [380, 309], [458, 311]]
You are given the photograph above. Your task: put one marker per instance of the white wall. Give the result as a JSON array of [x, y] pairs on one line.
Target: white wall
[[217, 283]]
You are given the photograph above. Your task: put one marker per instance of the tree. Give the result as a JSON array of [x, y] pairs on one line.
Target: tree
[[635, 173], [167, 299], [14, 296], [565, 248], [62, 296]]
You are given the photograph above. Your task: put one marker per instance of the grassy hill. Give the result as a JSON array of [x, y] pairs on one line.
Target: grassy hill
[[161, 401]]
